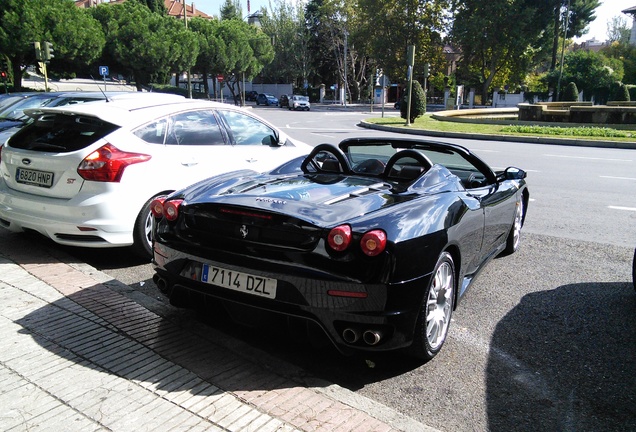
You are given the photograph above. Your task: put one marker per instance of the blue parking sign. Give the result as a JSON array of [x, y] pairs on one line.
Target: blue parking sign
[[103, 71]]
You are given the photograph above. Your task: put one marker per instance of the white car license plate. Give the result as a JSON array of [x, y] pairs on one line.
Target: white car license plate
[[33, 177], [247, 283]]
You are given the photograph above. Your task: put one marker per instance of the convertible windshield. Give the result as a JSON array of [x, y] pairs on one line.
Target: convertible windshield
[[444, 157]]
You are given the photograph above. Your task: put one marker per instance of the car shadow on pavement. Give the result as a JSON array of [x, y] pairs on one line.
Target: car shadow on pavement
[[565, 359], [293, 348]]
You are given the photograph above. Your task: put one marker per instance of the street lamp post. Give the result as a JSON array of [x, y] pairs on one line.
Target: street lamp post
[[185, 20], [565, 35], [346, 34], [252, 19]]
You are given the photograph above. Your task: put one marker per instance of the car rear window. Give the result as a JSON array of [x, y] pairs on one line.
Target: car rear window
[[61, 133]]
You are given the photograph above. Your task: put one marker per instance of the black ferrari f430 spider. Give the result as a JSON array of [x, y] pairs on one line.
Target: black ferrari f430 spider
[[375, 240]]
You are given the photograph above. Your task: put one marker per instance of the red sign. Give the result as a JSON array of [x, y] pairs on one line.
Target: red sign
[[219, 78]]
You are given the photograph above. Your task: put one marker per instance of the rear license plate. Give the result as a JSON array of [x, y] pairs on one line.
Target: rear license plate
[[243, 282], [33, 177]]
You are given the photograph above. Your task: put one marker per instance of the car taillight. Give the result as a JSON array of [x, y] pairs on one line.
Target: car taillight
[[156, 207], [171, 209], [373, 242], [339, 237], [107, 163], [159, 208]]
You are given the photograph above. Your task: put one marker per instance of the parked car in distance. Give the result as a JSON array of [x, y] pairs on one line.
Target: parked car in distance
[[283, 101], [375, 241], [251, 95], [84, 175], [298, 102], [266, 99]]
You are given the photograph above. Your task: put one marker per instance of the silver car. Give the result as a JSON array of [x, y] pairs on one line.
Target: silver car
[[297, 102]]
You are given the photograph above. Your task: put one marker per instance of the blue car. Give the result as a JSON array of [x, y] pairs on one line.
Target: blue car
[[266, 99]]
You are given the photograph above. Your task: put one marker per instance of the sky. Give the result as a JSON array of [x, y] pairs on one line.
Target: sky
[[598, 29], [604, 13]]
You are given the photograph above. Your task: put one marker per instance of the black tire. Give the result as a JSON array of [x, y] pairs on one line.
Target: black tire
[[514, 236], [435, 314], [142, 232]]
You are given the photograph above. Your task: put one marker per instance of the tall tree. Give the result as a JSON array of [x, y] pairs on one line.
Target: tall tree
[[76, 37], [390, 26], [498, 35], [581, 13], [618, 30], [248, 49], [331, 25], [212, 59], [320, 43], [285, 25], [158, 6], [231, 9], [147, 44]]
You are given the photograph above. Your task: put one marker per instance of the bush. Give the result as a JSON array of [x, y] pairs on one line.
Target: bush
[[571, 93], [623, 94], [619, 92], [418, 103]]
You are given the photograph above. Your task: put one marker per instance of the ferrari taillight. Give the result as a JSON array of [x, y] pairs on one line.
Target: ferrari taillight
[[373, 242], [107, 163], [156, 207], [339, 237], [159, 208], [171, 209]]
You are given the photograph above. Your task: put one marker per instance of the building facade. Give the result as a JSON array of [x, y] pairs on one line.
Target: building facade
[[174, 7]]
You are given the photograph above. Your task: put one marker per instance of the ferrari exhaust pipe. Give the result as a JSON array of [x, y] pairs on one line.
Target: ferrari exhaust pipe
[[351, 335], [160, 282], [372, 337]]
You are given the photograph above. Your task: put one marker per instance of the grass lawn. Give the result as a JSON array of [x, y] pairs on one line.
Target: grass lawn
[[592, 133]]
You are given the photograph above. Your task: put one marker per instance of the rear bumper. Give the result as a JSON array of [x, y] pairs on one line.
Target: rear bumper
[[374, 317], [85, 220]]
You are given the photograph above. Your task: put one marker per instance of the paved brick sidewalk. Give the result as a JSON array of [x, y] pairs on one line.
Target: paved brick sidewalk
[[75, 355]]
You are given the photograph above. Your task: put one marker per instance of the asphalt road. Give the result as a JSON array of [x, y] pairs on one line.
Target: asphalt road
[[544, 340]]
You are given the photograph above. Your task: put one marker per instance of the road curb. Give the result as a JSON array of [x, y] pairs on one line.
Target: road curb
[[506, 138]]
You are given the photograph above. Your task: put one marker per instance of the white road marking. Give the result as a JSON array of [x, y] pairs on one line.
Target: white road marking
[[622, 208], [587, 158], [619, 178]]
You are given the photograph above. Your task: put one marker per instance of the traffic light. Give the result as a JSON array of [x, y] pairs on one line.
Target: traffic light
[[48, 51], [4, 66], [38, 51], [3, 75], [426, 69]]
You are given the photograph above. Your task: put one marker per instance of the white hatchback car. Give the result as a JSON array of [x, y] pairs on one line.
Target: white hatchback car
[[85, 175]]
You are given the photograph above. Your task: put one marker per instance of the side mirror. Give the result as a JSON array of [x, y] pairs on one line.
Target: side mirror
[[512, 173], [271, 141]]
